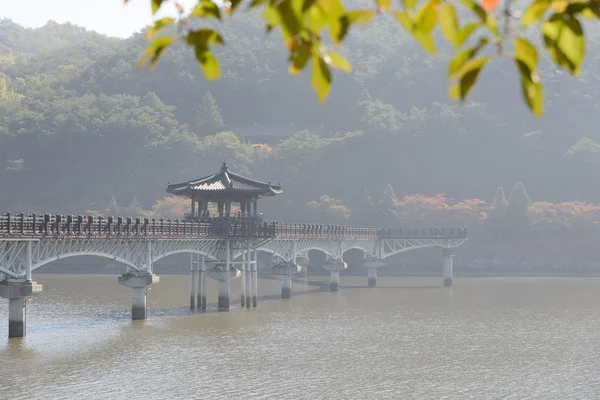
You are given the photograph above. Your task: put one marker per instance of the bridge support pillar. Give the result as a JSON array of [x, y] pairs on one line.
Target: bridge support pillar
[[254, 278], [138, 282], [193, 276], [17, 292], [202, 285], [334, 267], [285, 271], [447, 266], [334, 281], [372, 265], [372, 277]]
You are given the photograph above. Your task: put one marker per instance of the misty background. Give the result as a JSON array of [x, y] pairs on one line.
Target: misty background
[[84, 130]]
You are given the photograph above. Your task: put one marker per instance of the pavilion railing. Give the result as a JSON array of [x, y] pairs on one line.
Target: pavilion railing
[[46, 225]]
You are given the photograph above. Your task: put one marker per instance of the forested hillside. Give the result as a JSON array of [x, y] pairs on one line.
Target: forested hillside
[[81, 124]]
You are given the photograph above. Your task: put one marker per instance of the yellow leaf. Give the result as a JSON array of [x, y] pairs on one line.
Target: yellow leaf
[[320, 78], [449, 23], [384, 5], [526, 52], [563, 37], [534, 12], [531, 88], [337, 61]]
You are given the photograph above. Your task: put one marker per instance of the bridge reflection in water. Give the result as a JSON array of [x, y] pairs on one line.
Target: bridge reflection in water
[[222, 249]]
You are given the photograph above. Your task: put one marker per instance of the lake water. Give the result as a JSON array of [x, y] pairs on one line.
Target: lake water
[[500, 338]]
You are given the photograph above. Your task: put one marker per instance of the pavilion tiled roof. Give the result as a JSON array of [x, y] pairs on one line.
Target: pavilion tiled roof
[[223, 182]]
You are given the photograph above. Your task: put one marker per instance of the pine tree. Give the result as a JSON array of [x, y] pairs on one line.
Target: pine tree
[[208, 116], [516, 217], [113, 207], [497, 212], [134, 209]]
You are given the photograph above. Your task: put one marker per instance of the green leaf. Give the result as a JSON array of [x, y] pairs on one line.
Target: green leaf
[[461, 58], [466, 32], [321, 78], [534, 12], [290, 17], [157, 47], [233, 5], [423, 38], [156, 5], [315, 20], [337, 20], [485, 17], [470, 73], [337, 61], [426, 19], [526, 52], [531, 88], [158, 25], [563, 37], [449, 23], [210, 65], [206, 9], [201, 40], [256, 3], [299, 57]]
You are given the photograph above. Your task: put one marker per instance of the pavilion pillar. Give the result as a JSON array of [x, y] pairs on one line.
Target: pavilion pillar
[[255, 205], [193, 207], [248, 273], [193, 274], [254, 277], [243, 281]]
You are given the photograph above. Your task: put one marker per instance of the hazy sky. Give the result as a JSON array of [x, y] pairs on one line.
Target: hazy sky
[[110, 17]]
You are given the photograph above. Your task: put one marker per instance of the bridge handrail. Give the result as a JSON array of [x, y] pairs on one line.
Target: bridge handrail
[[43, 225]]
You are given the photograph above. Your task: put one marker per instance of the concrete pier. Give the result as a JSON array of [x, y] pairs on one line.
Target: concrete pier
[[334, 281], [224, 277], [17, 292], [334, 267], [138, 282], [285, 271], [372, 277], [448, 266], [202, 285], [224, 293], [372, 265]]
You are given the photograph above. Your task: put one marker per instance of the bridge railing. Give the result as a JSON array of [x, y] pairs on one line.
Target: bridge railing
[[34, 225]]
